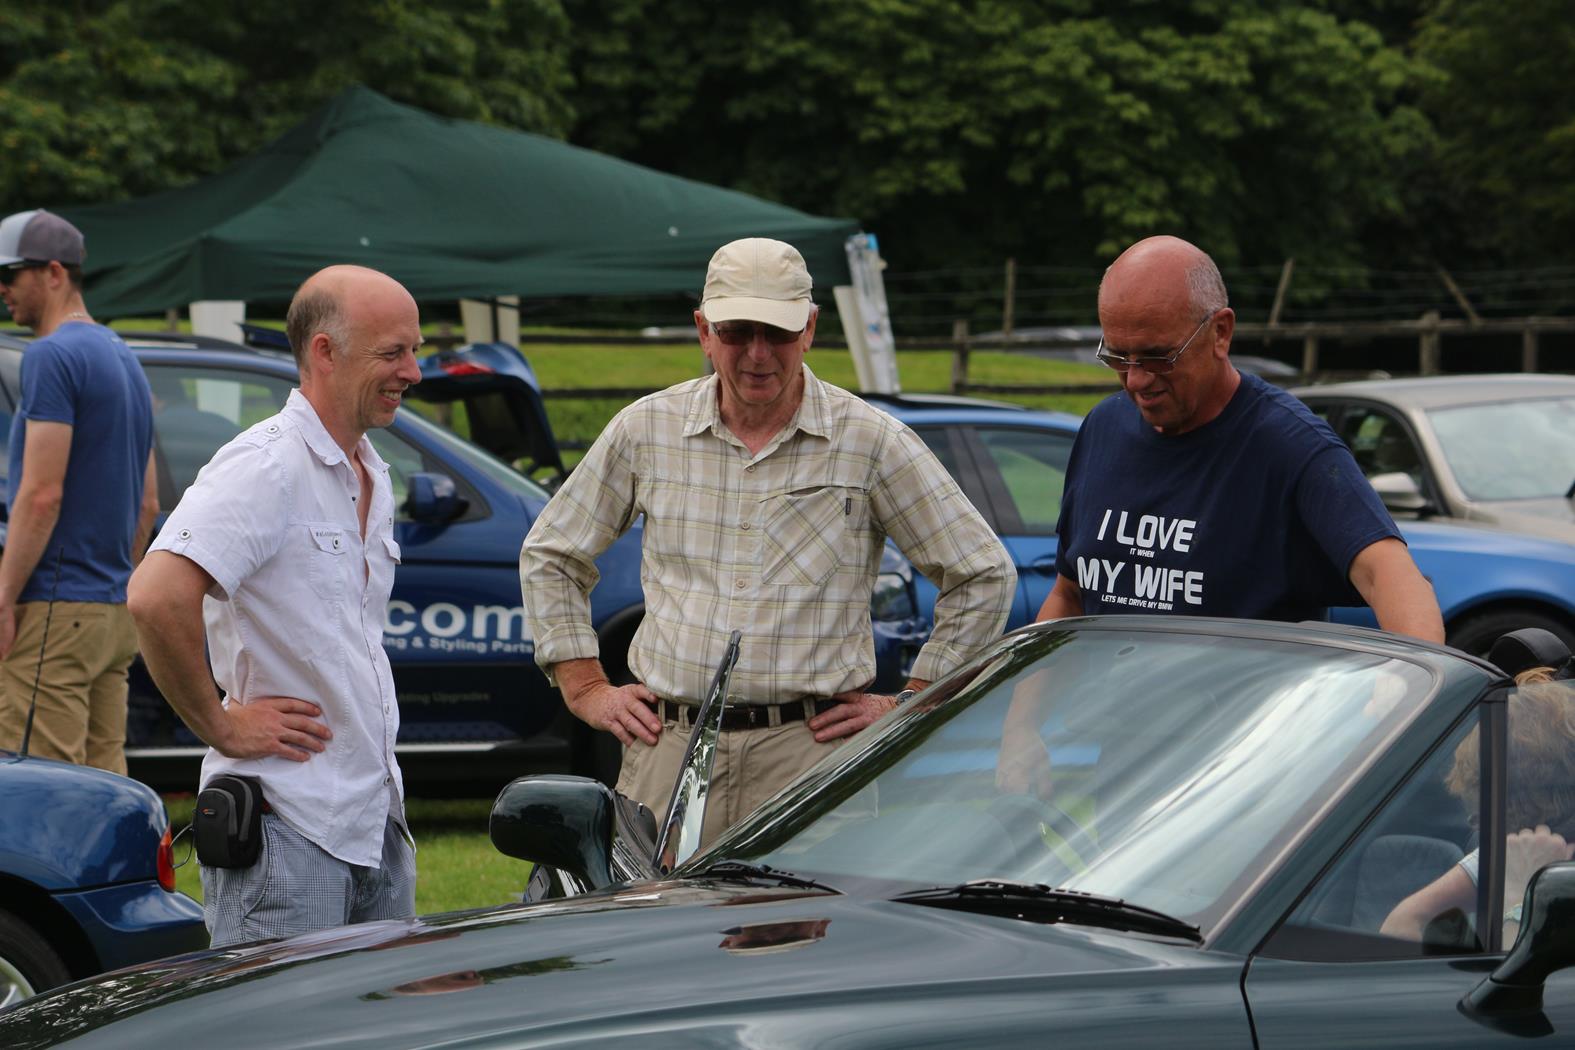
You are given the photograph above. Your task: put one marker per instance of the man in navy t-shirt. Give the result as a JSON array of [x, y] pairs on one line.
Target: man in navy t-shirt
[[82, 501], [1203, 491]]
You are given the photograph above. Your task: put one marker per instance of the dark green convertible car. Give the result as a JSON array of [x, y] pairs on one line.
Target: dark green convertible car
[[1117, 831]]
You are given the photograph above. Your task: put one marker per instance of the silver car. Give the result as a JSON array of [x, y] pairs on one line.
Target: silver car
[[1498, 449]]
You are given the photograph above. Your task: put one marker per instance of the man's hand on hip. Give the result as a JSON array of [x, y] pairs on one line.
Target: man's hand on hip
[[622, 710], [273, 725], [855, 711]]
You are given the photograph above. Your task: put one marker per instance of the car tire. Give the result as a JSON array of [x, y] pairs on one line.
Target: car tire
[[28, 965], [1476, 634]]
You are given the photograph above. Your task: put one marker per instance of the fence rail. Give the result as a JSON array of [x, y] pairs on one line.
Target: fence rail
[[1429, 332]]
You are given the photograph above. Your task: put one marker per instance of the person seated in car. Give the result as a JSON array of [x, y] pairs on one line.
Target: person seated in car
[[1540, 802]]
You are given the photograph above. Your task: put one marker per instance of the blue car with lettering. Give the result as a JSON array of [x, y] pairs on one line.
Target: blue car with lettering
[[1012, 464], [475, 710]]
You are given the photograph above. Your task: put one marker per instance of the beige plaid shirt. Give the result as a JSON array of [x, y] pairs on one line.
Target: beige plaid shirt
[[784, 546]]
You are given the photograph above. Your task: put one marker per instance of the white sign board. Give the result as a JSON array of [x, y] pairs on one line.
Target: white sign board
[[865, 319]]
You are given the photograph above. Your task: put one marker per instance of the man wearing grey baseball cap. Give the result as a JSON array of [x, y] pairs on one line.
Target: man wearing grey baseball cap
[[768, 496], [82, 500]]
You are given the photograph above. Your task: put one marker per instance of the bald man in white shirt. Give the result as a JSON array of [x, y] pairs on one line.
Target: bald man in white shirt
[[281, 558]]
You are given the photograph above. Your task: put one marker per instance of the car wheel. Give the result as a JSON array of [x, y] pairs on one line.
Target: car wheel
[[1476, 634], [28, 965]]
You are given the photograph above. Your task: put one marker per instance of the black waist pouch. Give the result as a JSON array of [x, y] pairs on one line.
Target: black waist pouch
[[228, 822]]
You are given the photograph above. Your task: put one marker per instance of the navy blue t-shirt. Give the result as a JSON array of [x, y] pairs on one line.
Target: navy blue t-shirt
[[1258, 513], [84, 375]]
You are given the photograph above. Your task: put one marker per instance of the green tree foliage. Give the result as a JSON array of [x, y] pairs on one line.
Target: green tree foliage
[[1505, 108], [1055, 131], [104, 99]]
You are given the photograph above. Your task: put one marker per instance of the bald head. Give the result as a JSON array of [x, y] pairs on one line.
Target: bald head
[[1163, 274], [329, 302]]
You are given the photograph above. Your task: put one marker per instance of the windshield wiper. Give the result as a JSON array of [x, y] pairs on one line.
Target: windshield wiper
[[1039, 903], [744, 871]]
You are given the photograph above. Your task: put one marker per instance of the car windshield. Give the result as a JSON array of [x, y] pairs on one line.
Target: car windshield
[[1163, 767], [1510, 449]]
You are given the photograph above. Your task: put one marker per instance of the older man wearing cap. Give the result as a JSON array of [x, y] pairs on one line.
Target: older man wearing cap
[[82, 501], [768, 496]]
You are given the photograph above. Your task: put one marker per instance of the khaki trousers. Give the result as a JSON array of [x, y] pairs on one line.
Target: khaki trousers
[[81, 713], [751, 766]]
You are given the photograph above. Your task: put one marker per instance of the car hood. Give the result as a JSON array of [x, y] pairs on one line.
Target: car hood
[[1550, 518], [1464, 536], [711, 964]]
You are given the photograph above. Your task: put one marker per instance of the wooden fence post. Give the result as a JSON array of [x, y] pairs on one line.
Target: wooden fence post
[[960, 355], [1430, 346], [1279, 293], [1528, 350], [1309, 356], [1011, 297]]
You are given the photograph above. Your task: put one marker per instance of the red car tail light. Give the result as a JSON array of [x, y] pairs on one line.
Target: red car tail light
[[166, 861], [463, 368]]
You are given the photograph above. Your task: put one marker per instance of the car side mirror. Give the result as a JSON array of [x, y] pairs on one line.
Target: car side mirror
[[1399, 493], [559, 821], [433, 499], [1510, 998]]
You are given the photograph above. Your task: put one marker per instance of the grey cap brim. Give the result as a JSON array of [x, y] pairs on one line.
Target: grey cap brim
[[792, 314]]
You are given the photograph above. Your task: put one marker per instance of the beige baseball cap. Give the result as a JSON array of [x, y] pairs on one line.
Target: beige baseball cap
[[757, 279]]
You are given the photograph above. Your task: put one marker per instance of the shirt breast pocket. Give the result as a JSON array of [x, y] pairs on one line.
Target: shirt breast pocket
[[327, 560], [804, 536]]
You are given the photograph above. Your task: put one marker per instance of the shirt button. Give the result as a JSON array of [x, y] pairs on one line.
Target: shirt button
[[273, 428], [745, 526], [185, 534], [749, 469], [741, 585]]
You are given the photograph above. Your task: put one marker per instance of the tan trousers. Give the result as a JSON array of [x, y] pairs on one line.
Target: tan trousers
[[81, 714], [751, 766]]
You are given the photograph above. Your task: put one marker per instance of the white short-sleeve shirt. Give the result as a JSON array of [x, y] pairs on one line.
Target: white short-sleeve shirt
[[297, 610]]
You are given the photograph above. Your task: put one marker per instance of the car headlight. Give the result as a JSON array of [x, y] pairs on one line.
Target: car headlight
[[892, 598]]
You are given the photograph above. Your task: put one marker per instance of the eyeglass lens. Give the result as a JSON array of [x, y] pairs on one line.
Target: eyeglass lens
[[741, 333]]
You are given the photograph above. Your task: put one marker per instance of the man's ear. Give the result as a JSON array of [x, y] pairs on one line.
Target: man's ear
[[1224, 328], [320, 352]]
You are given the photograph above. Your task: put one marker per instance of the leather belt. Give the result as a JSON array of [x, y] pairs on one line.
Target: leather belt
[[747, 716]]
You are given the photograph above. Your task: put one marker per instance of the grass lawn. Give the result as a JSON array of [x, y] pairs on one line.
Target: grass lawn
[[582, 364], [568, 367], [456, 866]]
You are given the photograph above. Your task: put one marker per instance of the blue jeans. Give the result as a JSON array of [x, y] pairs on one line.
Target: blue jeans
[[296, 886]]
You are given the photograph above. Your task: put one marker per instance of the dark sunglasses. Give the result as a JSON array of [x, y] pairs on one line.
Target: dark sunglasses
[[742, 333], [9, 271]]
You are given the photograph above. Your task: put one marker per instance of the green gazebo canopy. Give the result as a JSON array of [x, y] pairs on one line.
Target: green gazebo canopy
[[451, 208]]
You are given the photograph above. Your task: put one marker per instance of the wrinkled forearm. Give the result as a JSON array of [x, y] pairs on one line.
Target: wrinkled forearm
[[970, 611]]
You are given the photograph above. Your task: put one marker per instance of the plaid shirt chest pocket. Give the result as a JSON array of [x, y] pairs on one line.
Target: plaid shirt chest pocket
[[809, 533], [328, 559]]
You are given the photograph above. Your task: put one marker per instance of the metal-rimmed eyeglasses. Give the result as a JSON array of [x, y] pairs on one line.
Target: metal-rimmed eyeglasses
[[1153, 364], [742, 333]]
